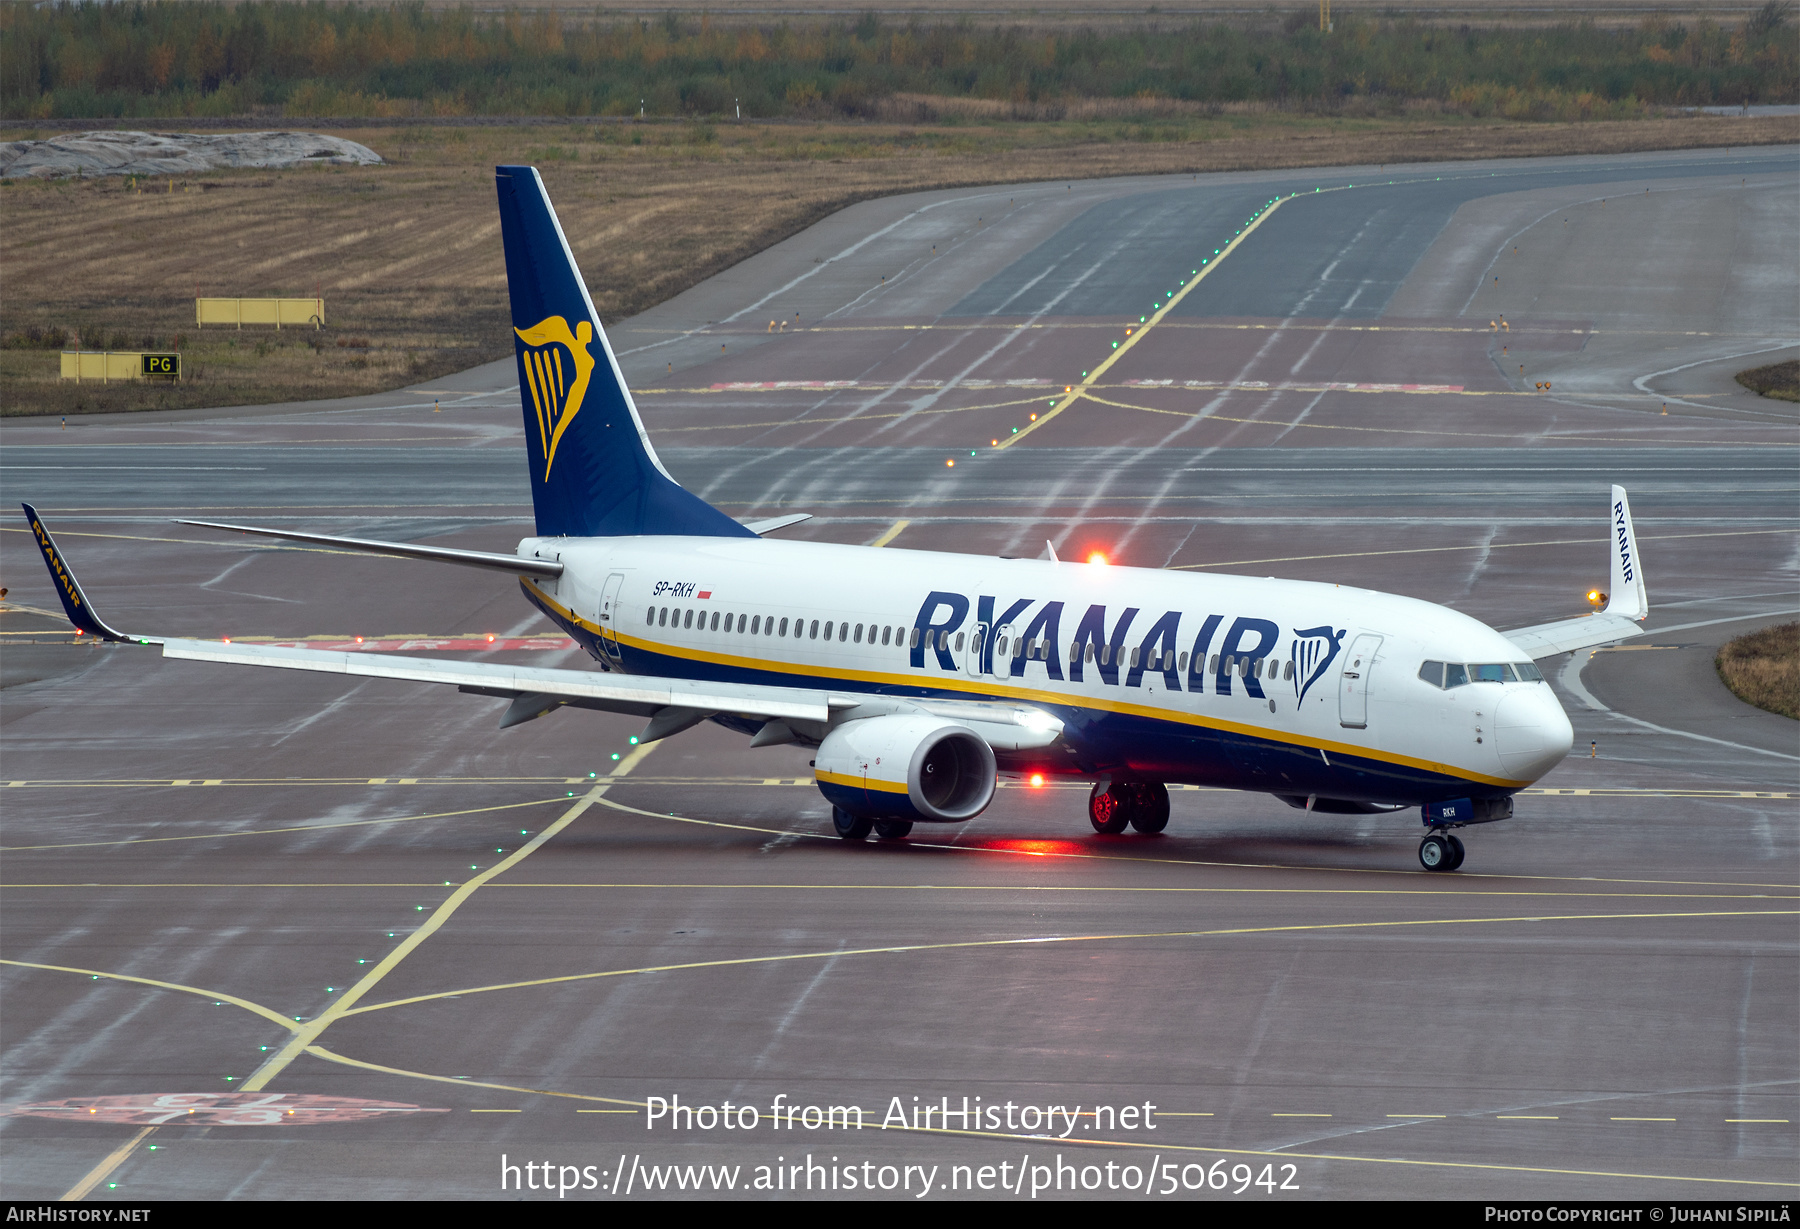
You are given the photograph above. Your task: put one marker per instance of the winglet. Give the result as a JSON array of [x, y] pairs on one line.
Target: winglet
[[75, 603], [1628, 597]]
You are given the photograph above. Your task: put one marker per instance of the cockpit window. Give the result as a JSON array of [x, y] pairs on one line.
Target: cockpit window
[[1456, 674]]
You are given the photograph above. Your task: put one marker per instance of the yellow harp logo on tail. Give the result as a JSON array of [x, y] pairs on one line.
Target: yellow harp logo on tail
[[557, 367]]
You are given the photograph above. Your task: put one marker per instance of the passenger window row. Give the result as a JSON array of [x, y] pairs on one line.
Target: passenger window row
[[1039, 650], [689, 619], [1456, 674]]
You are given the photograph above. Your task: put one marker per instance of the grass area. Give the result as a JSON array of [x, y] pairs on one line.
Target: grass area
[[407, 256], [1763, 668], [1780, 380]]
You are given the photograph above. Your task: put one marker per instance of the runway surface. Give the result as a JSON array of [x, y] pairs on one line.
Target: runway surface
[[385, 951]]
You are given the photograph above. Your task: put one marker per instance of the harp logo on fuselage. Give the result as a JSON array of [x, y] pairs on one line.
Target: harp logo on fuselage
[[557, 368], [1313, 651]]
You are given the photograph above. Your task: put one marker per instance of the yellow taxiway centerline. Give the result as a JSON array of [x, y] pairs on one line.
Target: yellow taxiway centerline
[[1088, 381], [311, 1030], [1046, 941]]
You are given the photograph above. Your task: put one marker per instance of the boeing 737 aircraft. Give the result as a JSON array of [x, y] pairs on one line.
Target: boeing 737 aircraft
[[921, 677]]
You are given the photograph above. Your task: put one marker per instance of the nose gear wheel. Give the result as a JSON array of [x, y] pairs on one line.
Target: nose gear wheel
[[1440, 851]]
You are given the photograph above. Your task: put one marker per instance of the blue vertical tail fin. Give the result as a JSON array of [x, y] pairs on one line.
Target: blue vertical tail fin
[[593, 471]]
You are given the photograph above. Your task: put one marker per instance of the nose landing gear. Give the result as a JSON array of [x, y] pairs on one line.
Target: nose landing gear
[[1440, 851]]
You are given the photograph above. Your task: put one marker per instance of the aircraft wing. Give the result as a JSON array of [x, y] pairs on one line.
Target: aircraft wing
[[672, 705], [1627, 600], [1567, 635], [644, 697]]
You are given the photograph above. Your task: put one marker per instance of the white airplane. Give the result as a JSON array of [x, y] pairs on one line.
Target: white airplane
[[920, 677]]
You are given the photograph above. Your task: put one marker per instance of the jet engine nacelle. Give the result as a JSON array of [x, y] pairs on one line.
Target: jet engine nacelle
[[913, 767]]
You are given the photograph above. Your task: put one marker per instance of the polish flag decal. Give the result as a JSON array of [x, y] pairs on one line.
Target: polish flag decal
[[704, 593]]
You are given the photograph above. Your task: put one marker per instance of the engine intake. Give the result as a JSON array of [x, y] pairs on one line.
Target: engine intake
[[916, 767]]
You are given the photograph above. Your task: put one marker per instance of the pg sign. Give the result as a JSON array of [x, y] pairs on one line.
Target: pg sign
[[167, 366]]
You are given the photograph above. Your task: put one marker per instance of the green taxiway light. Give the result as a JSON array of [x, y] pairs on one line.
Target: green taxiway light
[[615, 755]]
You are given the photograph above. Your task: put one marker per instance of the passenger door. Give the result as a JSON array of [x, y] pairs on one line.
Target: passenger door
[[977, 642], [1353, 682]]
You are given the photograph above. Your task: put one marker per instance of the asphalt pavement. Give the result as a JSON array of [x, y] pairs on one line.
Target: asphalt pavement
[[301, 937]]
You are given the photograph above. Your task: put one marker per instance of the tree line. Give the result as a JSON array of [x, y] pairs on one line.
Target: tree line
[[173, 58]]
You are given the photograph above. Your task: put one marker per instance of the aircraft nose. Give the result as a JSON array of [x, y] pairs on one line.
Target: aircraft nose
[[1531, 732]]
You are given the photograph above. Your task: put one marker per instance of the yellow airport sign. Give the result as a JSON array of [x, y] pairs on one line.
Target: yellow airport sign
[[277, 312], [108, 365]]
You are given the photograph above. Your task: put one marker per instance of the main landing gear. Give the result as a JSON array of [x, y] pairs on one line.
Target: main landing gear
[[1143, 805], [857, 827], [1440, 851]]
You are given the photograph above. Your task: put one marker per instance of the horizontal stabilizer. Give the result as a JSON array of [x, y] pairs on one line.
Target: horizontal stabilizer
[[404, 550], [776, 522]]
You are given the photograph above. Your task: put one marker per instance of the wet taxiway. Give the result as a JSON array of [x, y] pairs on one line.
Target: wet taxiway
[[295, 937]]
